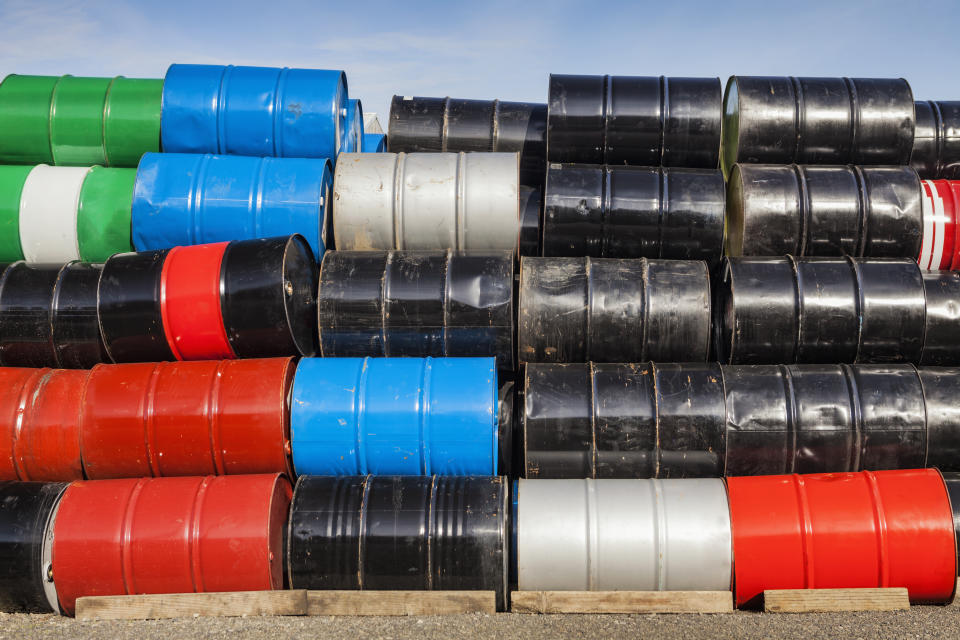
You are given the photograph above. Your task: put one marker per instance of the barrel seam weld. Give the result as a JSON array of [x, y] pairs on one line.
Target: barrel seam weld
[[213, 418], [126, 535], [104, 115], [278, 92], [359, 411], [588, 281], [423, 397], [661, 201], [663, 119], [149, 422], [862, 203], [793, 427], [362, 533], [594, 454], [799, 114], [854, 120], [806, 532], [221, 109], [800, 175], [880, 520], [397, 213], [460, 216], [606, 106], [858, 451], [196, 510], [256, 197], [657, 453]]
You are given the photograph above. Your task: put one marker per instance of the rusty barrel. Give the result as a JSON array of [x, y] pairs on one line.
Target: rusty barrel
[[170, 535]]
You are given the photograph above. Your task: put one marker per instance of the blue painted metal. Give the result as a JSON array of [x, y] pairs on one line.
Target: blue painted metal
[[253, 111], [406, 416], [353, 134], [374, 142], [184, 199]]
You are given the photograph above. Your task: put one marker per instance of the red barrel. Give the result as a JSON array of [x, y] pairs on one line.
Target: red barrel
[[187, 418], [170, 535], [190, 302], [940, 246], [39, 409], [843, 530]]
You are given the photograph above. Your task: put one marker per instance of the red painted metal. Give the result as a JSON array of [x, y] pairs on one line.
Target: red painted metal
[[39, 409], [843, 530], [190, 302], [187, 418], [170, 535], [954, 186]]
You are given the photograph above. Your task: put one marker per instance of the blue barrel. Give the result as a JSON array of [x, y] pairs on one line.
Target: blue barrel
[[404, 416], [374, 142], [353, 134], [253, 111], [184, 198]]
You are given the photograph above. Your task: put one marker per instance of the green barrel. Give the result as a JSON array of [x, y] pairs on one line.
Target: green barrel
[[103, 214], [25, 119], [76, 121], [131, 120], [12, 178]]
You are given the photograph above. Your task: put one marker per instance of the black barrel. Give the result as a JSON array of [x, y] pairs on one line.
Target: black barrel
[[76, 329], [417, 303], [941, 344], [529, 221], [451, 124], [633, 212], [609, 310], [26, 523], [399, 533], [26, 328], [941, 388], [806, 210], [952, 480], [645, 121], [128, 306], [822, 310], [936, 142], [786, 120], [268, 296]]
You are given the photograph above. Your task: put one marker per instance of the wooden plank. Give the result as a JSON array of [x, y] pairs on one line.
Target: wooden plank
[[820, 600], [399, 603], [185, 605], [621, 602]]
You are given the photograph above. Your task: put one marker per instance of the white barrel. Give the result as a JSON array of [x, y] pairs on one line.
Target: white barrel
[[460, 201], [48, 213], [371, 123], [623, 535]]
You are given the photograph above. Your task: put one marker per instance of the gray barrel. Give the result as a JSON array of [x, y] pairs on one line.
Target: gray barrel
[[608, 211], [623, 535], [609, 310], [833, 310], [785, 120], [452, 124], [806, 210], [936, 142]]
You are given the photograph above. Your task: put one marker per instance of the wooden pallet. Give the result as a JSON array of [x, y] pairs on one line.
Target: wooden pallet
[[295, 602], [621, 602], [826, 600]]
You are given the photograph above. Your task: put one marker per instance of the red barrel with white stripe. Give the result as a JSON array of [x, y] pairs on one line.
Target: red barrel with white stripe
[[940, 246]]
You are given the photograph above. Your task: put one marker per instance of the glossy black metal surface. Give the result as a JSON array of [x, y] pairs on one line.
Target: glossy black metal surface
[[757, 434], [417, 303], [268, 296], [821, 310], [529, 221], [936, 142], [76, 329], [399, 532], [450, 124], [25, 514], [608, 310], [783, 120], [26, 327], [611, 211], [128, 306], [806, 210], [952, 480], [892, 417], [690, 420], [941, 388], [941, 340], [634, 120]]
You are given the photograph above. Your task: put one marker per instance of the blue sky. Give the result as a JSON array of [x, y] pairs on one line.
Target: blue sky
[[491, 49]]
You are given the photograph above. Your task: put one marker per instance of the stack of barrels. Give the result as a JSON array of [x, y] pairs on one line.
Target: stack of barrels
[[648, 335]]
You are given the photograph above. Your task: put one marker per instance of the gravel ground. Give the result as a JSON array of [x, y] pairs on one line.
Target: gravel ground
[[919, 622]]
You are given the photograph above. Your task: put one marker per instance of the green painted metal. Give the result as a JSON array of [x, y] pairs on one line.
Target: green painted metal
[[131, 120], [103, 214], [76, 121], [12, 178], [25, 119]]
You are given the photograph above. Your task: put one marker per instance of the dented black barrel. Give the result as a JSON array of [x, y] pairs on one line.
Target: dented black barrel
[[786, 120], [952, 480], [26, 540], [648, 420], [808, 210], [645, 121], [655, 420], [451, 124], [832, 310], [942, 335], [399, 533], [607, 211], [610, 310], [936, 142], [417, 303], [48, 316]]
